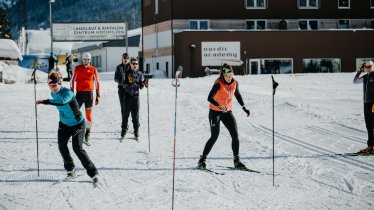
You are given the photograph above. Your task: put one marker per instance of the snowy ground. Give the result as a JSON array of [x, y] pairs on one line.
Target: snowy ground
[[317, 115]]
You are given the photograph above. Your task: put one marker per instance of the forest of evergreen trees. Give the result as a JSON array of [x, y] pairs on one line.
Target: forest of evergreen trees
[[37, 13]]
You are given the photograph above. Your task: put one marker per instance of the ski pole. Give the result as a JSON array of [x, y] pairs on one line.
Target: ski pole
[[176, 84], [149, 135], [33, 77], [275, 85]]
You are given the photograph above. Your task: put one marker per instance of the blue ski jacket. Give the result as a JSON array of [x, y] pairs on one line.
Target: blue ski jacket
[[67, 105]]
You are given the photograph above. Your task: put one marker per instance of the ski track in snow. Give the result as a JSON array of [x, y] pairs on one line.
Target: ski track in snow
[[309, 129]]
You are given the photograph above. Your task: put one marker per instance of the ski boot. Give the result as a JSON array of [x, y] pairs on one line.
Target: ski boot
[[96, 180], [71, 174], [87, 137], [238, 164], [367, 150], [201, 164], [136, 134], [124, 131]]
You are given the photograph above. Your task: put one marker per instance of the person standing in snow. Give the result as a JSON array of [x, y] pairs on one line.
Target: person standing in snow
[[368, 84], [86, 78], [133, 82], [71, 125], [119, 77], [69, 65], [220, 98]]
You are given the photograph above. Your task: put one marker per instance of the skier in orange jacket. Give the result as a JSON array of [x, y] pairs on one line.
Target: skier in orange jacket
[[86, 78]]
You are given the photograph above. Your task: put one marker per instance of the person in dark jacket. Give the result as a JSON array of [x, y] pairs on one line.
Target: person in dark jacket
[[69, 65], [119, 77], [71, 125], [368, 85], [220, 98], [133, 82]]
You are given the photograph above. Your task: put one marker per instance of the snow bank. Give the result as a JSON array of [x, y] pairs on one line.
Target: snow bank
[[15, 74]]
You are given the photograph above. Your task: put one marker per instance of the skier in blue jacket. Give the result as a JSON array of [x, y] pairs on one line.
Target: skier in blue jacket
[[71, 125]]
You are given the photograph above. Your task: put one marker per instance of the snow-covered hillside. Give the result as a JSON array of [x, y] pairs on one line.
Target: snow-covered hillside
[[316, 115]]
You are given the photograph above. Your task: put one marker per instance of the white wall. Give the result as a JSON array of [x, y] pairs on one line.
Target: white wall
[[114, 56]]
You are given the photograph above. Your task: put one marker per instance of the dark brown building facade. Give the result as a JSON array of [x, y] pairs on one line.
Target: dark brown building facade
[[257, 36]]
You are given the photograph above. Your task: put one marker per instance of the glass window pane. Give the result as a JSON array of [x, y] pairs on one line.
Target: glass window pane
[[250, 25], [303, 25], [313, 24], [193, 24], [250, 3], [261, 25], [302, 3], [313, 3], [203, 25], [324, 65], [343, 3], [277, 66], [261, 3], [343, 24]]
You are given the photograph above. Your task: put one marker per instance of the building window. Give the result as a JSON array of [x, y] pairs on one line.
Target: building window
[[271, 66], [343, 24], [255, 24], [157, 66], [372, 24], [321, 65], [343, 4], [255, 4], [199, 24], [308, 24], [96, 61], [372, 4], [148, 67], [308, 4]]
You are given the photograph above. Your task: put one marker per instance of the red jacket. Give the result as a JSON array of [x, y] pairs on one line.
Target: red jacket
[[86, 78]]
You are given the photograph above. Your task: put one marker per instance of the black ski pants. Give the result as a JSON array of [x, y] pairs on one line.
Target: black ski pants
[[132, 106], [121, 95], [369, 121], [77, 134], [229, 121]]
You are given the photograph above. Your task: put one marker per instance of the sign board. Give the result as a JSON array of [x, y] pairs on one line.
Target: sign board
[[218, 53], [88, 31]]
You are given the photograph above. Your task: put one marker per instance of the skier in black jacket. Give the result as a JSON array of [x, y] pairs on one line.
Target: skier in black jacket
[[368, 84], [133, 82], [119, 77]]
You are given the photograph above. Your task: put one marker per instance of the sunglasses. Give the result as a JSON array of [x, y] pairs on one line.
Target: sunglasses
[[368, 67], [134, 64], [125, 58]]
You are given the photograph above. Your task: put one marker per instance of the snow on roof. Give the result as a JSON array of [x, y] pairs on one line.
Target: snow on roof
[[9, 50]]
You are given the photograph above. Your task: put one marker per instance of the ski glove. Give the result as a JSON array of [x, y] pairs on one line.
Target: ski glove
[[246, 111], [97, 100]]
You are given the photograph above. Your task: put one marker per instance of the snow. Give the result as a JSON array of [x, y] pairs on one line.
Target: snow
[[9, 50], [15, 74], [316, 115]]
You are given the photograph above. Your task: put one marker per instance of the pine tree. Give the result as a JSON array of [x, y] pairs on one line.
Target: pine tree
[[4, 25]]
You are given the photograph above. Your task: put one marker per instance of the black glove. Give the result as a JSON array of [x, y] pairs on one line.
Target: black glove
[[246, 111], [146, 83]]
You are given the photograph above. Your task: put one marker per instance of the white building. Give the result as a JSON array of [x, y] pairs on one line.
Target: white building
[[107, 55]]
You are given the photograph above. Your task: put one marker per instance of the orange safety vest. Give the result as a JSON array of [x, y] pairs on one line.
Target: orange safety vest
[[224, 95], [86, 78]]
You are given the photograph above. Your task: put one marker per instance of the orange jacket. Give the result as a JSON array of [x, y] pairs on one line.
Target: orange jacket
[[86, 78], [224, 96]]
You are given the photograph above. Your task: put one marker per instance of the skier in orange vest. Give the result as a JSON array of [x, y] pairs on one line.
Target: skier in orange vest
[[220, 98]]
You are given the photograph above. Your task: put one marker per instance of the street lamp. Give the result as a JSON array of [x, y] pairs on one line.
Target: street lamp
[[51, 59]]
